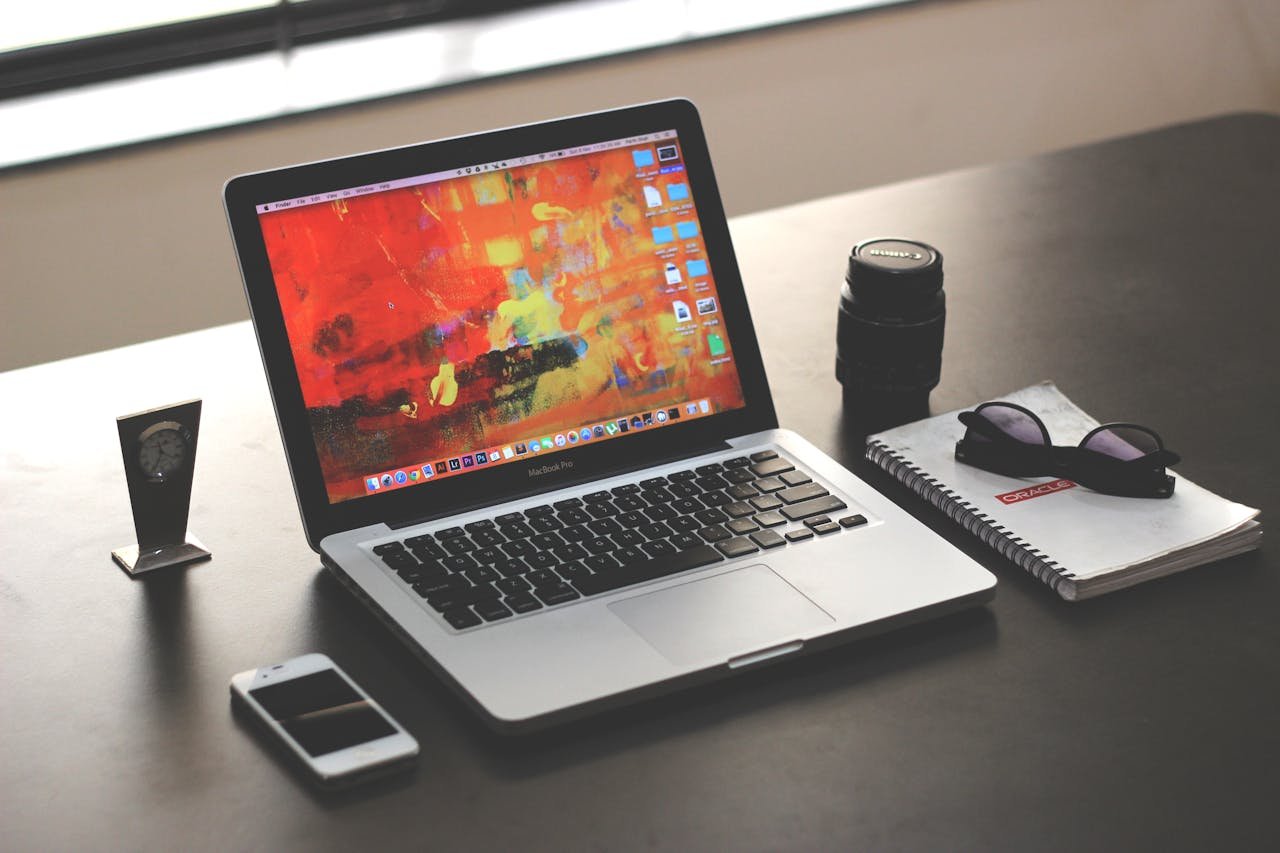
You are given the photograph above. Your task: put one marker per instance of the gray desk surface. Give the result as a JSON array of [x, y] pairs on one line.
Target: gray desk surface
[[1140, 274]]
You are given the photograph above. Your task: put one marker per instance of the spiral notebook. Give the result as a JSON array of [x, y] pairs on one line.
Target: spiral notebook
[[1081, 543]]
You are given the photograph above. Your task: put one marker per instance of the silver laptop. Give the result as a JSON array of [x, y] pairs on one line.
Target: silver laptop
[[528, 424]]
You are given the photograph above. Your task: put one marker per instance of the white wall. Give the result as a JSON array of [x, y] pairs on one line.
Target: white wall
[[113, 249]]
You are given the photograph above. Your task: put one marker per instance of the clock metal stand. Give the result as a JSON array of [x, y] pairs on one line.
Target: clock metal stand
[[159, 449]]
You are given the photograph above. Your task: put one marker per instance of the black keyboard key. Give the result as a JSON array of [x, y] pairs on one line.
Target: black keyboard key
[[685, 541], [400, 560], [683, 524], [853, 520], [492, 610], [460, 545], [769, 467], [817, 506], [482, 524], [600, 562], [511, 568], [824, 529], [629, 554], [742, 525], [459, 563], [387, 548], [799, 534], [770, 519], [714, 533], [763, 455], [598, 545], [741, 492], [575, 534], [769, 485], [427, 550], [811, 523], [625, 489], [711, 468], [738, 509], [518, 548], [461, 617], [660, 513], [452, 598], [656, 530], [568, 503], [512, 586], [681, 476], [796, 494], [683, 561], [601, 508], [685, 506], [547, 540], [415, 540], [573, 571], [488, 556], [685, 490], [767, 539], [450, 533], [545, 523], [487, 538], [738, 476], [566, 553], [542, 577], [737, 546], [716, 499], [516, 530], [538, 511], [737, 462], [629, 503], [629, 538], [522, 602], [434, 585], [658, 548], [604, 526], [632, 519], [556, 594], [711, 482], [509, 517], [541, 560], [711, 515], [795, 478], [596, 496], [573, 516], [653, 483], [482, 574], [657, 497]]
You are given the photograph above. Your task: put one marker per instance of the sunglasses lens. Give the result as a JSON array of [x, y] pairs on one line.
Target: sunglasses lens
[[1123, 443], [1014, 423]]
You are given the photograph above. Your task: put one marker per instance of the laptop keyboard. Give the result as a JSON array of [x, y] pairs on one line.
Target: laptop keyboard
[[520, 562]]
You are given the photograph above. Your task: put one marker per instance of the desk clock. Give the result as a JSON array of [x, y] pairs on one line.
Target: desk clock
[[159, 449]]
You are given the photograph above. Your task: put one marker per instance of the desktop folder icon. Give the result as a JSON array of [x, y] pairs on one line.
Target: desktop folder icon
[[663, 234], [696, 268]]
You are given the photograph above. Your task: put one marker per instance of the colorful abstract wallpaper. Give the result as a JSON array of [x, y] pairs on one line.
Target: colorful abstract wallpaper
[[473, 312]]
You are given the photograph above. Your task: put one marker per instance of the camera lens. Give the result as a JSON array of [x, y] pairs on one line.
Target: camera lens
[[892, 311]]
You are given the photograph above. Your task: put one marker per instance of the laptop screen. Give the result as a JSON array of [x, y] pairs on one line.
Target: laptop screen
[[447, 323]]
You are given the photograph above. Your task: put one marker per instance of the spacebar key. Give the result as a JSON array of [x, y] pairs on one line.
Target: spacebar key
[[659, 567]]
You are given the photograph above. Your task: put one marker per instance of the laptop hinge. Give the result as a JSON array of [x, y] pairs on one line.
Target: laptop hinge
[[459, 509]]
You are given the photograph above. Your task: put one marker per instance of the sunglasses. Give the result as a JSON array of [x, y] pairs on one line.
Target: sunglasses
[[1116, 459]]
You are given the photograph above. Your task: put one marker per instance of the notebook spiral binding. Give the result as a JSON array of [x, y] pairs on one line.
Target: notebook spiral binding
[[967, 516]]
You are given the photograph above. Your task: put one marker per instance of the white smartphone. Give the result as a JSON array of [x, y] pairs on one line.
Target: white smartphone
[[328, 723]]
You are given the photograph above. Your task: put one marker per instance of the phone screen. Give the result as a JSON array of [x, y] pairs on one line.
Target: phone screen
[[322, 712]]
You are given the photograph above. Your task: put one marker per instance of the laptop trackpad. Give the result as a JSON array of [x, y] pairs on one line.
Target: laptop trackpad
[[721, 617]]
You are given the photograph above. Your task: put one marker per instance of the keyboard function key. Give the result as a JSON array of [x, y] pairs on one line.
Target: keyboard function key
[[461, 617], [770, 467], [763, 456], [450, 533], [853, 520]]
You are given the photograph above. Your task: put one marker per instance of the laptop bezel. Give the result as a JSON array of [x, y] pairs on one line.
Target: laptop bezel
[[242, 195]]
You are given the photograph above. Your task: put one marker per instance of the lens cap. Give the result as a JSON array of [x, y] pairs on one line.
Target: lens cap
[[890, 270]]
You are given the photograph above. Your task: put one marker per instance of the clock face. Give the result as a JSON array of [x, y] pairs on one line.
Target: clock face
[[162, 450]]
